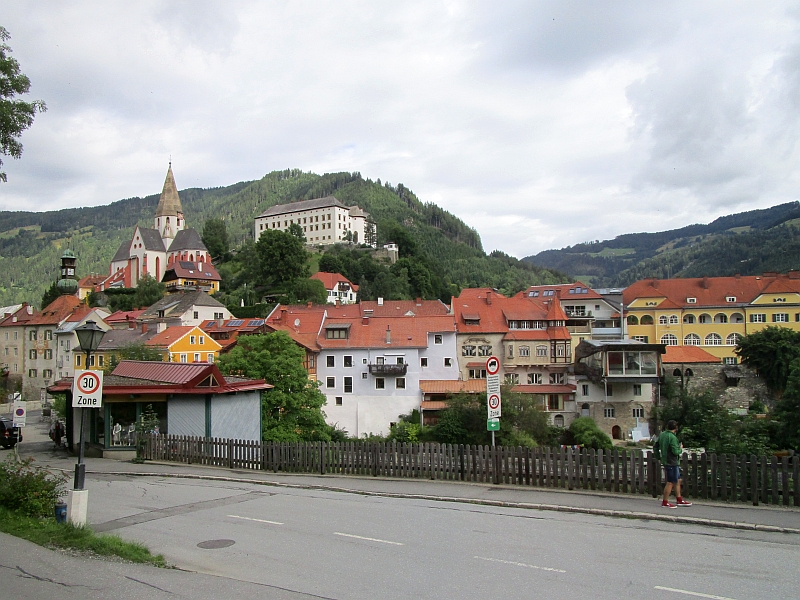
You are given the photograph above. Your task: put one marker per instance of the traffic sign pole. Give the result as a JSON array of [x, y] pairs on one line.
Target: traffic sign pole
[[493, 402]]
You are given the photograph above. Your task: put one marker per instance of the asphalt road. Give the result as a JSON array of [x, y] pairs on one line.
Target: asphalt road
[[347, 546]]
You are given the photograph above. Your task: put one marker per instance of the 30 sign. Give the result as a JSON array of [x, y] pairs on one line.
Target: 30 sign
[[87, 389]]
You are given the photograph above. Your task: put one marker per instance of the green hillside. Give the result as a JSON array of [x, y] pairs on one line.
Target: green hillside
[[748, 243], [31, 243]]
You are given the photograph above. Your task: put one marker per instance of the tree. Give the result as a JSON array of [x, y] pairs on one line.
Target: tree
[[148, 291], [292, 410], [51, 294], [307, 290], [586, 433], [15, 115], [277, 259], [330, 263], [771, 352], [215, 237], [787, 411], [297, 231]]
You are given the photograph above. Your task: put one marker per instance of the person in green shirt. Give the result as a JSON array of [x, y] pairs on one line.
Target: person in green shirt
[[669, 451]]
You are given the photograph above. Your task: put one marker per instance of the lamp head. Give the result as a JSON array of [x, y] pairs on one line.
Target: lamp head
[[89, 336]]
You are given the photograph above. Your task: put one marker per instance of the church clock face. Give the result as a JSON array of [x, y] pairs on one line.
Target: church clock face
[[70, 271]]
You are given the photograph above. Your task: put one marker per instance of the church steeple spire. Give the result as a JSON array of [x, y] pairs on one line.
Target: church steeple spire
[[169, 213]]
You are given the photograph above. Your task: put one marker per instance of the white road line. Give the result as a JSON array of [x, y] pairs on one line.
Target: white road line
[[519, 564], [358, 537], [688, 593], [256, 520]]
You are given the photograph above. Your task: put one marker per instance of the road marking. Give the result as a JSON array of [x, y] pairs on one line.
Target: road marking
[[688, 593], [256, 520], [358, 537], [519, 564]]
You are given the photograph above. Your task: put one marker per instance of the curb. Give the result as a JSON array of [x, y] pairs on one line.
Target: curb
[[622, 514]]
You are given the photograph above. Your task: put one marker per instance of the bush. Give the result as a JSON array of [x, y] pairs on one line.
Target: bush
[[29, 490], [586, 433], [404, 432]]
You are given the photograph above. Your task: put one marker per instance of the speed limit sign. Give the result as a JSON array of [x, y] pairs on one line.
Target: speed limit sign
[[87, 389]]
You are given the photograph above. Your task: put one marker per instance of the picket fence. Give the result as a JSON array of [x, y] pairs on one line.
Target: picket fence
[[756, 479]]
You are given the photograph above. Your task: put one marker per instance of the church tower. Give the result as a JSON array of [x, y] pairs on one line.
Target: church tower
[[169, 214]]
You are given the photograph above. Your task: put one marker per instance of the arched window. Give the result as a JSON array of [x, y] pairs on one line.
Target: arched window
[[704, 318], [713, 339], [691, 340], [669, 340], [662, 320], [688, 319], [688, 373], [720, 318], [733, 339], [737, 318], [585, 409], [558, 420], [676, 373], [673, 319], [633, 320], [646, 320]]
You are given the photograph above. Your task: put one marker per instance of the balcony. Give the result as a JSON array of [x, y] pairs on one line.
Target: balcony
[[614, 332], [579, 328], [391, 370]]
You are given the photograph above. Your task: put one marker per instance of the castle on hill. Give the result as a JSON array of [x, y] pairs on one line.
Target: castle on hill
[[170, 252]]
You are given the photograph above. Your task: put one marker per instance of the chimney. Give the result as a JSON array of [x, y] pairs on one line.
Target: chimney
[[336, 302], [144, 327], [419, 301], [365, 320], [131, 323], [738, 276], [654, 283], [310, 304], [770, 274], [388, 335], [489, 297], [220, 322], [284, 315], [705, 283], [794, 274], [380, 301], [160, 327]]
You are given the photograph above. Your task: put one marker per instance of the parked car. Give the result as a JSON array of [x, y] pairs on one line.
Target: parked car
[[9, 435]]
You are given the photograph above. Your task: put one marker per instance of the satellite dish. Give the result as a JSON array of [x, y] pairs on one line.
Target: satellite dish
[[297, 322]]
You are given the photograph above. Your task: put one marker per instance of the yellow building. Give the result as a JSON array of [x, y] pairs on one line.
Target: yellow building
[[712, 312], [185, 344]]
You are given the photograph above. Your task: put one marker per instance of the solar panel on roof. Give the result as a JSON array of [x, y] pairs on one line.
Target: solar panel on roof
[[236, 323], [256, 322], [186, 264]]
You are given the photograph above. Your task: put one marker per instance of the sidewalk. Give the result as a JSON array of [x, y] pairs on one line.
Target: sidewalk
[[715, 514]]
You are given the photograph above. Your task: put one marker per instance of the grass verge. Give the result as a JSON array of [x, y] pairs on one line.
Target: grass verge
[[46, 532]]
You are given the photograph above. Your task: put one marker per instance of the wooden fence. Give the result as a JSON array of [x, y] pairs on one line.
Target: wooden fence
[[765, 479]]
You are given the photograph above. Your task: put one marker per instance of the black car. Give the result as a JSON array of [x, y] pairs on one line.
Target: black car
[[9, 435]]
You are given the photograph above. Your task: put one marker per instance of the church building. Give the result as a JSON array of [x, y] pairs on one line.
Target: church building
[[155, 251]]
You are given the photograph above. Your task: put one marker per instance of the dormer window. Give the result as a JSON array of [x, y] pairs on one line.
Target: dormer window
[[730, 298], [692, 301], [337, 332]]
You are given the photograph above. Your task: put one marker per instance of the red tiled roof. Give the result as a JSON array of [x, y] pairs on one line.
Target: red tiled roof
[[476, 364], [22, 317], [391, 308], [169, 336], [710, 291], [167, 372], [55, 312], [80, 313], [122, 316], [555, 312], [544, 389], [529, 335], [452, 386], [433, 405], [688, 354], [91, 280], [564, 289], [187, 269], [331, 281], [405, 332]]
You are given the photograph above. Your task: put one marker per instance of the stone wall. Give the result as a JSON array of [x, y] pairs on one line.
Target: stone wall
[[711, 377]]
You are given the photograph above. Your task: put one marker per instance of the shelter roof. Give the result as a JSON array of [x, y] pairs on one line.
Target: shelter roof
[[688, 354]]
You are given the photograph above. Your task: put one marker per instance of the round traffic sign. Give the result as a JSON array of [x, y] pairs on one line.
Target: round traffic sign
[[494, 401], [493, 365], [88, 383], [20, 412]]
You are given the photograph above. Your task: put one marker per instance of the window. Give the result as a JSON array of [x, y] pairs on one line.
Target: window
[[673, 319], [554, 402], [720, 318], [641, 338], [379, 360], [196, 315], [348, 385], [646, 320], [330, 382], [713, 339], [101, 360], [780, 318], [400, 360], [731, 360], [219, 316], [512, 378], [691, 301], [364, 375], [468, 350], [31, 373], [510, 351], [48, 334], [210, 357], [558, 420], [662, 320], [609, 412], [77, 360], [669, 340], [202, 340], [541, 351], [363, 361], [733, 339], [379, 383], [585, 389], [196, 357], [638, 413], [437, 338], [448, 362], [348, 361], [633, 320], [400, 383], [691, 340], [336, 334], [338, 400], [534, 378], [486, 349], [47, 373], [32, 336], [688, 319], [524, 351], [609, 389], [557, 378], [423, 362], [32, 354], [477, 373], [330, 361], [192, 340], [758, 318], [637, 389], [704, 319], [184, 358]]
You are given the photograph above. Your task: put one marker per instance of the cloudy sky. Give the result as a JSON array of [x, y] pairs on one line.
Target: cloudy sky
[[540, 123]]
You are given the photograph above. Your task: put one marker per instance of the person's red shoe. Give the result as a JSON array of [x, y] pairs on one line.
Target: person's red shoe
[[666, 504], [682, 502]]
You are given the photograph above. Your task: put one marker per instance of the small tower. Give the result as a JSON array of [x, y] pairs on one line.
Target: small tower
[[67, 285], [169, 214]]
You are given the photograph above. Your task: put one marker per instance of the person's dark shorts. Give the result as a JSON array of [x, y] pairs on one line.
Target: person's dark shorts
[[673, 473]]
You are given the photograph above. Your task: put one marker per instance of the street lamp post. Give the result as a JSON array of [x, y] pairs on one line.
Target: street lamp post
[[89, 338]]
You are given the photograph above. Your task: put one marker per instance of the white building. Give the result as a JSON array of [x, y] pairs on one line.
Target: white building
[[325, 221]]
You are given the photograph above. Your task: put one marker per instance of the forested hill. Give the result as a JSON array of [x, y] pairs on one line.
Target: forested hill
[[31, 243], [748, 243]]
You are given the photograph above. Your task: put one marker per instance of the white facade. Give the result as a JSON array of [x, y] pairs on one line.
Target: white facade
[[67, 343], [323, 223], [362, 402]]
